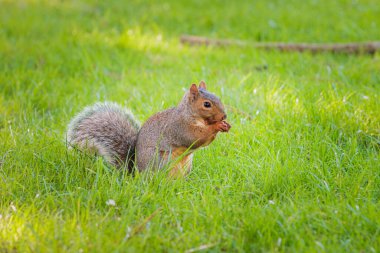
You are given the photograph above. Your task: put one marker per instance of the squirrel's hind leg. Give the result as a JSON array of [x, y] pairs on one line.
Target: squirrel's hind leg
[[182, 167], [179, 164], [148, 158]]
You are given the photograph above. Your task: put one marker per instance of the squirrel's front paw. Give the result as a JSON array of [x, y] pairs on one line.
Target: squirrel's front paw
[[223, 126]]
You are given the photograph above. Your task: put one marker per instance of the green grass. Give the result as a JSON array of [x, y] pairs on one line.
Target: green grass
[[299, 171]]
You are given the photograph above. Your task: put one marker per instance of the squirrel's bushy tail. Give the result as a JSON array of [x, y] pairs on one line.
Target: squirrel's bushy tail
[[108, 129]]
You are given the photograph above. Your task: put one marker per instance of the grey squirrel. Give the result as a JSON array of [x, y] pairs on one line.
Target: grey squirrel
[[171, 135]]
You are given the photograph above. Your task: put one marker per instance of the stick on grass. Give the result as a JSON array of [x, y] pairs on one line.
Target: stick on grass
[[346, 48]]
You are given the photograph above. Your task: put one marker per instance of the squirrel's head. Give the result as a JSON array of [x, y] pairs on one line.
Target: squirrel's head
[[205, 104]]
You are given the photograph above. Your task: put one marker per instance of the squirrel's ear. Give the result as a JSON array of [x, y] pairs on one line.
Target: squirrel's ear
[[193, 91], [202, 85]]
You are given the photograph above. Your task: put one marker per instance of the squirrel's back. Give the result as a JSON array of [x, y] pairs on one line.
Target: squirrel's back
[[108, 129]]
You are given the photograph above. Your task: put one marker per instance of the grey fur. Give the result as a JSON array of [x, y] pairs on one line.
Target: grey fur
[[107, 129], [113, 132], [177, 127]]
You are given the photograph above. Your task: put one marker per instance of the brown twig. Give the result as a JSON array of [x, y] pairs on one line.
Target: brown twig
[[140, 227], [202, 247], [347, 48]]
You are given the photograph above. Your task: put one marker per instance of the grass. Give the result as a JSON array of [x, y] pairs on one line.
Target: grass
[[299, 171]]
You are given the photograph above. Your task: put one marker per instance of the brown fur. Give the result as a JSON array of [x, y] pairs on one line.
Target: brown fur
[[168, 137], [168, 134]]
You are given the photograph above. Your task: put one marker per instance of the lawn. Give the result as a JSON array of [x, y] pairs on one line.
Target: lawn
[[298, 172]]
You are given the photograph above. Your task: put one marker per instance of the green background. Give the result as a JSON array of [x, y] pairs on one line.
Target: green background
[[298, 172]]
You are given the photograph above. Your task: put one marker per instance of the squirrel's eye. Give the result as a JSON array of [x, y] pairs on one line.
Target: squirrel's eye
[[207, 104]]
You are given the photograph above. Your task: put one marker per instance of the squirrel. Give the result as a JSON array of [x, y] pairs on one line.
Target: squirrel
[[168, 136]]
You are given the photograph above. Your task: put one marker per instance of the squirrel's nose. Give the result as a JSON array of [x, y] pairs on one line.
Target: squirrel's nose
[[224, 116]]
